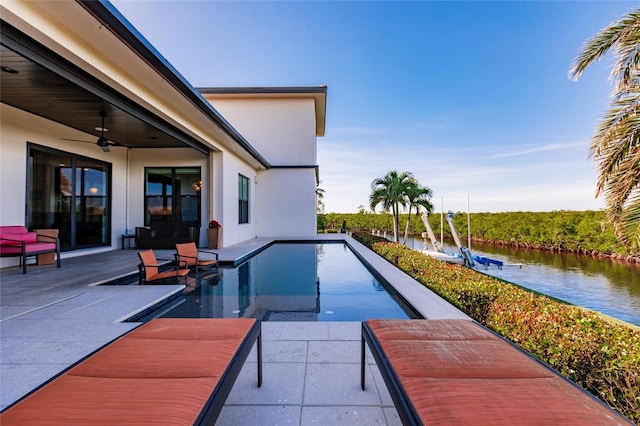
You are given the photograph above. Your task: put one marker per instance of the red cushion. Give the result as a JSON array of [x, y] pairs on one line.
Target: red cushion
[[161, 373], [27, 237], [13, 229], [195, 329], [165, 359], [428, 330], [34, 247], [76, 400], [10, 250], [457, 372], [543, 401], [475, 359]]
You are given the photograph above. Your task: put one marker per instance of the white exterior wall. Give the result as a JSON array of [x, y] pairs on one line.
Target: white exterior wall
[[283, 130], [232, 231], [286, 203]]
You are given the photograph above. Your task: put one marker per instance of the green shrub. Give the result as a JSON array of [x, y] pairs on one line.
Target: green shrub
[[601, 356], [368, 239]]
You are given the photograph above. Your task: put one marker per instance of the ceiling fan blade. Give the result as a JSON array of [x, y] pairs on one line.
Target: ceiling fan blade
[[120, 144], [76, 140]]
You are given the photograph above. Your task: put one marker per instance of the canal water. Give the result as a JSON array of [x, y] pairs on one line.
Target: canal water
[[609, 287]]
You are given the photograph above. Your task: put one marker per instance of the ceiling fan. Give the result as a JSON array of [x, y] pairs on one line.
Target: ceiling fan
[[102, 141]]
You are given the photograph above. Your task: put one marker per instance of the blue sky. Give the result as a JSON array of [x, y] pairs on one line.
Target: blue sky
[[473, 98]]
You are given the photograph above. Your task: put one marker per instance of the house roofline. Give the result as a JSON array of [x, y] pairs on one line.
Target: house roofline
[[318, 93], [112, 19], [264, 90]]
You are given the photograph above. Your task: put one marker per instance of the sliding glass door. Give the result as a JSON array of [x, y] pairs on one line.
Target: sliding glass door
[[69, 193], [172, 194]]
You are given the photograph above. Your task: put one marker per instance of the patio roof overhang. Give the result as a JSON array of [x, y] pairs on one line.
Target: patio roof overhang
[[36, 80], [69, 61]]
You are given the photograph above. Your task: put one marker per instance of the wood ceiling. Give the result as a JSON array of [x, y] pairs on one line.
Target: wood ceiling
[[32, 87]]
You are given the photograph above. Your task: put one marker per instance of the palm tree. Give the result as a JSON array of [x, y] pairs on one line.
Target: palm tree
[[417, 196], [390, 192], [616, 143], [319, 198]]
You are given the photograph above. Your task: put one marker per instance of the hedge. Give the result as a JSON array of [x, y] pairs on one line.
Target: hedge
[[599, 354]]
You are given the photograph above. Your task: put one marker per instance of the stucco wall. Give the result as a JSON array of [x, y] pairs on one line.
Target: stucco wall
[[286, 203], [281, 129], [234, 232]]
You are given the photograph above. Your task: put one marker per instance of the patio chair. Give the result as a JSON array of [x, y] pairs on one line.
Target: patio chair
[[188, 254], [150, 269]]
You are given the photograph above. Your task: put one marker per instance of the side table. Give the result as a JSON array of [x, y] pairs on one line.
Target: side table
[[128, 238]]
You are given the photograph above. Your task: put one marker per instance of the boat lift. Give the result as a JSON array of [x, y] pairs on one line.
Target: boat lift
[[464, 251], [465, 257], [434, 242], [438, 251], [471, 259]]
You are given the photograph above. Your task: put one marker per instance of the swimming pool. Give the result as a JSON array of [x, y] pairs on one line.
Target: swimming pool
[[291, 282]]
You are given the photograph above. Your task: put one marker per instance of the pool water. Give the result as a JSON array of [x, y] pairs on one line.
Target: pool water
[[291, 282]]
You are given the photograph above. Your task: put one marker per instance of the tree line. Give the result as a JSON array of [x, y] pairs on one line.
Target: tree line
[[575, 231]]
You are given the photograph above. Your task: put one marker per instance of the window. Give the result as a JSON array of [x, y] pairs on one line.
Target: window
[[172, 194], [243, 199]]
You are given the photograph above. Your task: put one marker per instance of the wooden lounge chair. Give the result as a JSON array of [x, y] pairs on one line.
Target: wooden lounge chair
[[458, 372], [169, 371], [150, 270], [188, 254]]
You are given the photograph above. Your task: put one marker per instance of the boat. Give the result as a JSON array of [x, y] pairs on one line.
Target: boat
[[451, 258], [472, 260], [437, 252]]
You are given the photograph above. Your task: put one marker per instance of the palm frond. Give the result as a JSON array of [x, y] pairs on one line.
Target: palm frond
[[616, 136], [616, 143], [630, 220], [620, 33]]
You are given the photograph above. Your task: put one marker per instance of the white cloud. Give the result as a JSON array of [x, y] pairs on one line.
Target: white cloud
[[498, 184], [541, 148]]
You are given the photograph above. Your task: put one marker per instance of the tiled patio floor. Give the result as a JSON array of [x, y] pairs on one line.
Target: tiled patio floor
[[52, 317], [311, 376]]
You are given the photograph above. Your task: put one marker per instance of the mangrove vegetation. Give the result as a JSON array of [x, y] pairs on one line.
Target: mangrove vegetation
[[583, 232]]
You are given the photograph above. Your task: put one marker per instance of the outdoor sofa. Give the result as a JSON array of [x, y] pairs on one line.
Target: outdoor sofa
[[17, 241], [456, 372], [168, 371]]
